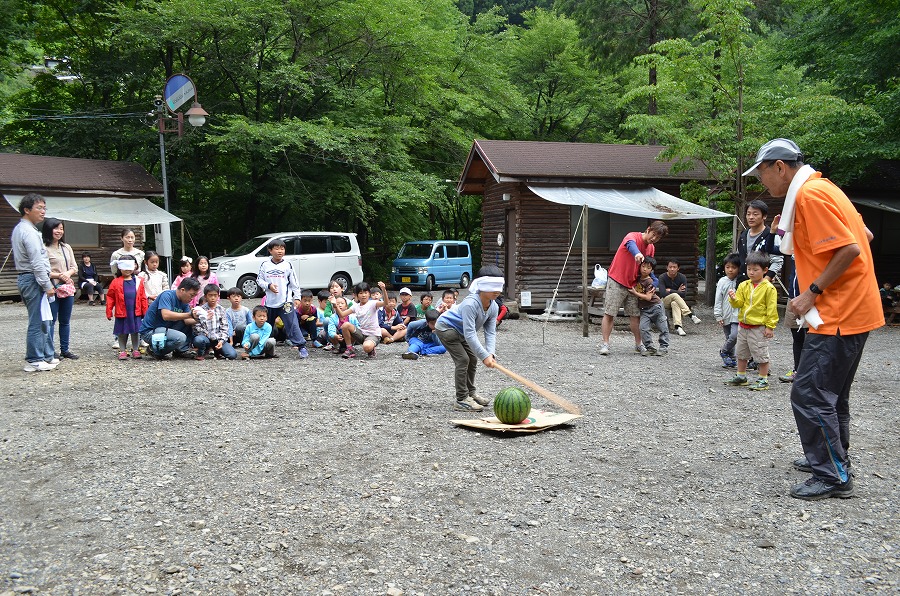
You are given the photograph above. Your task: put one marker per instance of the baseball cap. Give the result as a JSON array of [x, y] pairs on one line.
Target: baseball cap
[[783, 149], [405, 291]]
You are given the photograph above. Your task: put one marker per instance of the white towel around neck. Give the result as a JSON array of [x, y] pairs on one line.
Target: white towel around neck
[[787, 213]]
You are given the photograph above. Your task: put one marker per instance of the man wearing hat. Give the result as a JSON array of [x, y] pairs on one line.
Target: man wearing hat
[[838, 299]]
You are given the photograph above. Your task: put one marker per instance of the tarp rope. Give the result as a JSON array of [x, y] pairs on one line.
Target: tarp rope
[[561, 273]]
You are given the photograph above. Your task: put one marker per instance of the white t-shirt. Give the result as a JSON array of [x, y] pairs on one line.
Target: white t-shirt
[[367, 314]]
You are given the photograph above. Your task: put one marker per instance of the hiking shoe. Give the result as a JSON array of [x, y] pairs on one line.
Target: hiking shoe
[[481, 401], [349, 353], [760, 385], [410, 356], [642, 350], [123, 355], [604, 349], [695, 319], [468, 405], [802, 464], [738, 381], [788, 377], [815, 489], [136, 354], [303, 353], [680, 331]]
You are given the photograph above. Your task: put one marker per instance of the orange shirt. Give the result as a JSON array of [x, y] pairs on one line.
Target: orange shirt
[[824, 221]]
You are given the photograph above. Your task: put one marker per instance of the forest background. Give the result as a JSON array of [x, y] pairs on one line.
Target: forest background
[[357, 115]]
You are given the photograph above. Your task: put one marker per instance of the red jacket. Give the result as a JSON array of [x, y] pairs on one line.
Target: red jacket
[[115, 298]]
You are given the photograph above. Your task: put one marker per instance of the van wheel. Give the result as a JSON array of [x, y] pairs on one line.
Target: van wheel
[[429, 283], [464, 280], [248, 286], [343, 279]]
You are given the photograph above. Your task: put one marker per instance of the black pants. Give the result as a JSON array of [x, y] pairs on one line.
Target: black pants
[[820, 397]]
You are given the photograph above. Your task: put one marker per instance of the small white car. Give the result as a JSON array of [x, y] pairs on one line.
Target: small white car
[[318, 259]]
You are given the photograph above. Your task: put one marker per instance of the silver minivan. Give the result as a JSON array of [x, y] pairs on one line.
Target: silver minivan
[[318, 259]]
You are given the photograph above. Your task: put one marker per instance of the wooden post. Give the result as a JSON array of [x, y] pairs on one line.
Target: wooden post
[[585, 315]]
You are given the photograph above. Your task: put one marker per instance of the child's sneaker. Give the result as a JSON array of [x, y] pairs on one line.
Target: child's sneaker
[[604, 349], [725, 358], [123, 355], [349, 353], [303, 353], [730, 363], [328, 347], [695, 319], [760, 385], [410, 356], [679, 331], [642, 350], [371, 355], [788, 377], [662, 352], [318, 344], [738, 381], [136, 355], [752, 365]]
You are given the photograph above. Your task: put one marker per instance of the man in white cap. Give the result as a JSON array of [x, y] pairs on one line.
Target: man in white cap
[[840, 301]]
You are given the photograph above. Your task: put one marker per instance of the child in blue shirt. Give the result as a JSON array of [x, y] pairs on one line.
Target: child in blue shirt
[[258, 341], [422, 339]]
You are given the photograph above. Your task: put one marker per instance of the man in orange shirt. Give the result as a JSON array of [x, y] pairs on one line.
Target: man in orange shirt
[[830, 244]]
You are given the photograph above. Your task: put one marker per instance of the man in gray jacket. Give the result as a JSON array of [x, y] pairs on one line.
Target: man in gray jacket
[[34, 283]]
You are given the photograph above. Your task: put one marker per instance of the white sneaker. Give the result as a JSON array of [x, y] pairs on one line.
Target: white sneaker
[[115, 344], [468, 405], [39, 366], [680, 331], [54, 362], [695, 319], [604, 349]]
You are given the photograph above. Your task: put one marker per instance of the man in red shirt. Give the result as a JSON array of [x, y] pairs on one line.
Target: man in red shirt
[[840, 300], [623, 273]]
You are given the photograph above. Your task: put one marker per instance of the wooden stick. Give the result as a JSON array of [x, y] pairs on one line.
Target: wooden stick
[[561, 401]]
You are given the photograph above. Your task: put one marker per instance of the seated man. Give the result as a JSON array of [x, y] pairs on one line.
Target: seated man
[[171, 315], [672, 287]]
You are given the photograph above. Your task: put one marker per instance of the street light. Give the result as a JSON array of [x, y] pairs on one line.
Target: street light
[[176, 92]]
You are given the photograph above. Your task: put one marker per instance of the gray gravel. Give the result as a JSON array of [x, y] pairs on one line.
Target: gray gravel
[[346, 477]]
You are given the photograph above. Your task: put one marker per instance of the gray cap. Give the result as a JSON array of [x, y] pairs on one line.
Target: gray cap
[[783, 149]]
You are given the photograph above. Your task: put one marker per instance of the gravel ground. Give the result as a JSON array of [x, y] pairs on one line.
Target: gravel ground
[[329, 476]]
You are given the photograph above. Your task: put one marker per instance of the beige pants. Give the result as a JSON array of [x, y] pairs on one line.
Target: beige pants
[[678, 306]]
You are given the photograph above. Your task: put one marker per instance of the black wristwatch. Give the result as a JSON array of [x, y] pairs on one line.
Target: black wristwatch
[[815, 289]]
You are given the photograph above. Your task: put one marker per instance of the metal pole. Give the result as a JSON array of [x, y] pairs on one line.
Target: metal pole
[[165, 185], [585, 315]]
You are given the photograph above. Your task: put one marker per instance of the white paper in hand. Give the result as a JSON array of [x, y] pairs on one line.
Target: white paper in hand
[[811, 318]]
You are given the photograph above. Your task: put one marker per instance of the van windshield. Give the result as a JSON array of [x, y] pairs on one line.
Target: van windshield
[[415, 251], [246, 247]]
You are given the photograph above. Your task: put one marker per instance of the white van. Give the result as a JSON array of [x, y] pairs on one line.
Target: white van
[[318, 259]]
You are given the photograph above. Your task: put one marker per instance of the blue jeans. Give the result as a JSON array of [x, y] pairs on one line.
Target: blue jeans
[[62, 310], [176, 341], [38, 342], [291, 324], [730, 330], [203, 344]]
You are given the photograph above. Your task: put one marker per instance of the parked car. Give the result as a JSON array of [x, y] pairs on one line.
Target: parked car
[[431, 263], [318, 259]]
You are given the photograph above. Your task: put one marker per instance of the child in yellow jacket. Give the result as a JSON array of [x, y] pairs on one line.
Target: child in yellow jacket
[[757, 302]]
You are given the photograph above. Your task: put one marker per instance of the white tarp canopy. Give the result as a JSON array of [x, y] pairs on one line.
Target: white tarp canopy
[[650, 203], [111, 211]]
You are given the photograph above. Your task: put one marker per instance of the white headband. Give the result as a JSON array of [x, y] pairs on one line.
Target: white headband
[[126, 265], [486, 284]]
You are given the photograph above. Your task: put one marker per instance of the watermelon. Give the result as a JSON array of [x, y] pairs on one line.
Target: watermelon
[[512, 405]]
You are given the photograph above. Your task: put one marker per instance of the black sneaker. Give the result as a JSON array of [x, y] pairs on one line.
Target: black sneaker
[[815, 489], [410, 356], [802, 464]]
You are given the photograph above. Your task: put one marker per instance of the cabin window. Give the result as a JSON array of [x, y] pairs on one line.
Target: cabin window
[[605, 230], [80, 234]]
